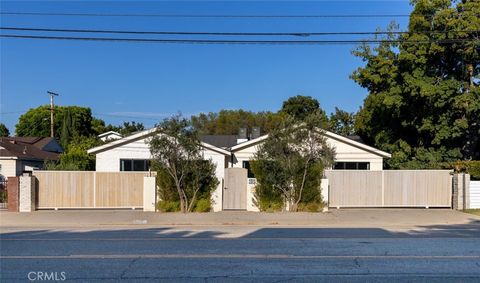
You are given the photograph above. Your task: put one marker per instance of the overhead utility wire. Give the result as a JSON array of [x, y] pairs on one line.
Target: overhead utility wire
[[208, 41], [225, 33], [203, 16]]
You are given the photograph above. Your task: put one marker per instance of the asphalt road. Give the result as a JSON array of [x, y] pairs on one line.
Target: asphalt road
[[242, 253]]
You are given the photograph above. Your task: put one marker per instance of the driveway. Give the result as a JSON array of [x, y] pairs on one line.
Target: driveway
[[383, 245]]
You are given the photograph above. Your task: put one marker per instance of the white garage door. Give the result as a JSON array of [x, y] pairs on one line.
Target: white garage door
[[474, 194]]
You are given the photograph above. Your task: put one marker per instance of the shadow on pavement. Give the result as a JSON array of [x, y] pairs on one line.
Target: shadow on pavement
[[470, 230]]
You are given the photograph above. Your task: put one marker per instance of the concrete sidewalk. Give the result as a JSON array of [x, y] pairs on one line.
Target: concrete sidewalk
[[334, 218]]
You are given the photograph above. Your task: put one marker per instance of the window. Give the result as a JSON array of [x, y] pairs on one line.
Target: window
[[352, 166], [134, 165], [246, 165]]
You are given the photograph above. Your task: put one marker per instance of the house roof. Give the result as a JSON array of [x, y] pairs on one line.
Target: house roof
[[222, 141], [328, 134], [109, 133], [27, 148], [144, 134]]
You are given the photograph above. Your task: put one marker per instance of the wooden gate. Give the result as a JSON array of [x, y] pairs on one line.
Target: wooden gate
[[390, 188], [89, 189], [235, 189]]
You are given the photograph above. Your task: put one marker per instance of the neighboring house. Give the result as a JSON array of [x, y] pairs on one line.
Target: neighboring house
[[109, 136], [23, 154], [132, 153]]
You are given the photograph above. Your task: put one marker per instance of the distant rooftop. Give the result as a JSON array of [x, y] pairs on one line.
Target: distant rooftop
[[34, 148], [222, 141]]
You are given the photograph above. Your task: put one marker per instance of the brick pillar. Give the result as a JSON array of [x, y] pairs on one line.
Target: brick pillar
[[12, 191]]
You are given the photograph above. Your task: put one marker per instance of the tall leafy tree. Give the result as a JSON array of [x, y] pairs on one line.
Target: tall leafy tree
[[67, 131], [75, 156], [424, 99], [228, 122], [342, 122], [36, 121], [287, 162], [4, 132], [300, 106], [177, 153]]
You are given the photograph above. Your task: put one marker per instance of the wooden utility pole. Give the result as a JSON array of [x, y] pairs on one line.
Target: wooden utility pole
[[52, 130]]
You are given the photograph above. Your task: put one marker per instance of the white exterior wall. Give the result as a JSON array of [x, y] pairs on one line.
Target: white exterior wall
[[344, 153], [9, 167], [109, 161]]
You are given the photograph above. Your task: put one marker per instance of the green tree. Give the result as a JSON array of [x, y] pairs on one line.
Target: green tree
[[228, 122], [342, 122], [129, 128], [424, 100], [67, 132], [75, 157], [36, 121], [177, 155], [4, 132], [289, 162], [299, 107]]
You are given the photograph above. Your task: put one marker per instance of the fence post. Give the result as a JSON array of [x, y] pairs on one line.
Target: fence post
[[12, 191], [466, 194], [27, 194], [324, 191], [149, 194]]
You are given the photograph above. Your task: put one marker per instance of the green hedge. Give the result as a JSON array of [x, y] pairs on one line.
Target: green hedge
[[471, 167]]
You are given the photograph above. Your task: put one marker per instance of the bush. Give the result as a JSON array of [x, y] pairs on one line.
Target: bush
[[267, 205], [310, 207], [471, 167], [168, 206], [203, 205]]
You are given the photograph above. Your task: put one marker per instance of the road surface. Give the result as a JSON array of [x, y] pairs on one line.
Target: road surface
[[229, 253]]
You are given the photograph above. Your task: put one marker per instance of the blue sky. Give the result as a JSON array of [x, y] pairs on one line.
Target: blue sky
[[146, 82]]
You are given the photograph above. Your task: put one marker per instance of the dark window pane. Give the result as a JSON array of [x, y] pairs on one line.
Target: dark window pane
[[139, 165], [125, 165], [351, 165], [246, 165], [363, 165], [339, 165]]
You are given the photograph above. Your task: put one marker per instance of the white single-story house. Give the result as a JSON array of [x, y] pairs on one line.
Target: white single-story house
[[132, 153]]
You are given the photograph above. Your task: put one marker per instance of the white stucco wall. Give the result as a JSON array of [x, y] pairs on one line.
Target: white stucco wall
[[9, 168], [109, 161]]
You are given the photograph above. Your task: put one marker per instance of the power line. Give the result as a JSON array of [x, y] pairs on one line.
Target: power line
[[212, 41], [301, 34], [204, 16]]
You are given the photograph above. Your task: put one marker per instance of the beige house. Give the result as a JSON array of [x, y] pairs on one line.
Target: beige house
[[230, 153], [24, 154]]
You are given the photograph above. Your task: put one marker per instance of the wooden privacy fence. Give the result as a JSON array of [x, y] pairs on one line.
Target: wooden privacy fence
[[89, 189], [390, 188]]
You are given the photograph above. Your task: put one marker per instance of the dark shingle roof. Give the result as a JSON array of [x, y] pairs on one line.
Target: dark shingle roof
[[30, 148], [222, 141]]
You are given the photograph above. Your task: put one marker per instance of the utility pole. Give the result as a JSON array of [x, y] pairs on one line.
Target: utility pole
[[52, 130]]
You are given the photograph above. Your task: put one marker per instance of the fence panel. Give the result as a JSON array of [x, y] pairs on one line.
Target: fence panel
[[474, 194], [119, 189], [89, 189], [356, 188], [62, 189], [390, 188]]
